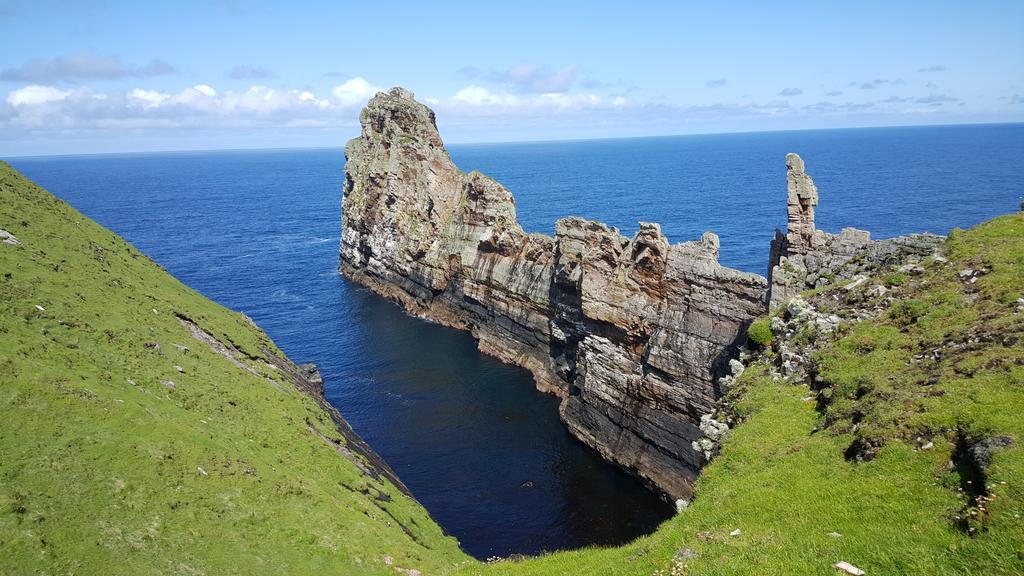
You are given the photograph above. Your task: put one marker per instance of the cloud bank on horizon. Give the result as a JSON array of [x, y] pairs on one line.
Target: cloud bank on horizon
[[104, 77]]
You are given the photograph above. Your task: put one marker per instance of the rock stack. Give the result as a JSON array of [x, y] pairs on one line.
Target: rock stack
[[805, 257]]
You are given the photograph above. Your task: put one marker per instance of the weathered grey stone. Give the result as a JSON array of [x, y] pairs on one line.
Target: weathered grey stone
[[8, 238], [848, 568], [806, 257], [633, 333]]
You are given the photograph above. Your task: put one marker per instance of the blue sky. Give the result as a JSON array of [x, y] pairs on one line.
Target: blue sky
[[101, 76]]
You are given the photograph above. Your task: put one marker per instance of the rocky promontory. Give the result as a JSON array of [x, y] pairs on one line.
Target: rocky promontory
[[639, 337], [632, 333]]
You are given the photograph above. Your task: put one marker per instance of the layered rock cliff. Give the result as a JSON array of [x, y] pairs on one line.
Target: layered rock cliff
[[805, 257], [632, 333]]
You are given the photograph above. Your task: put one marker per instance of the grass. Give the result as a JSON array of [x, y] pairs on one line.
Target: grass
[[105, 469], [100, 461], [759, 333]]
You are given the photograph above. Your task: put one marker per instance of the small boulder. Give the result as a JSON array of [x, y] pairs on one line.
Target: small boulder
[[798, 307], [684, 554], [858, 281], [877, 291], [848, 568], [8, 238], [736, 367]]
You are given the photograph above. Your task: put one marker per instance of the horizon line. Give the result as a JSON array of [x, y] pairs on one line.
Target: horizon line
[[505, 142]]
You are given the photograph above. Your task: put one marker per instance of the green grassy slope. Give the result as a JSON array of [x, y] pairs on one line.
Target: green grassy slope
[[129, 446], [848, 457]]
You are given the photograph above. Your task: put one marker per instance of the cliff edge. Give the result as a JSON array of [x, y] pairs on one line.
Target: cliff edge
[[633, 333]]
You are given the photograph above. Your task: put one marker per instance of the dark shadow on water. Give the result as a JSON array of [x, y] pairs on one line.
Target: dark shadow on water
[[482, 449]]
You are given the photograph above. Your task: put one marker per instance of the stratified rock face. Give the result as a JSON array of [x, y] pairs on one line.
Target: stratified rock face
[[633, 333], [444, 244], [806, 257], [801, 198]]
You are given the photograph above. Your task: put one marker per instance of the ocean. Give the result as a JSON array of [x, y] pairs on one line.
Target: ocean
[[485, 453]]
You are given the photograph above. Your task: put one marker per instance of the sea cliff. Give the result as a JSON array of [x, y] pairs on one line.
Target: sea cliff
[[632, 333], [638, 336]]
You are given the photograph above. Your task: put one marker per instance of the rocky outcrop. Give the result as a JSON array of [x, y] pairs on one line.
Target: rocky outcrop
[[805, 257], [635, 334], [632, 333]]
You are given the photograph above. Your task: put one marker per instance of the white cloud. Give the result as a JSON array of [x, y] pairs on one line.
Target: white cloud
[[39, 107], [205, 90], [480, 96], [356, 91], [475, 100], [48, 112], [147, 98], [30, 95]]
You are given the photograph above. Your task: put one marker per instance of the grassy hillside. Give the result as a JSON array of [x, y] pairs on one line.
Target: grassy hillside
[[868, 459], [147, 430]]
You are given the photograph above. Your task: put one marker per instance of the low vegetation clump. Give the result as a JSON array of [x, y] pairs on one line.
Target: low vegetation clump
[[759, 333]]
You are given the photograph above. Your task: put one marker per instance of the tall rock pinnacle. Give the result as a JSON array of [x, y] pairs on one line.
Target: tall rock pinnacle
[[802, 197]]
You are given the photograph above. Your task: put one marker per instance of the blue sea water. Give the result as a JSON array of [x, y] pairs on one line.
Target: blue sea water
[[258, 232]]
